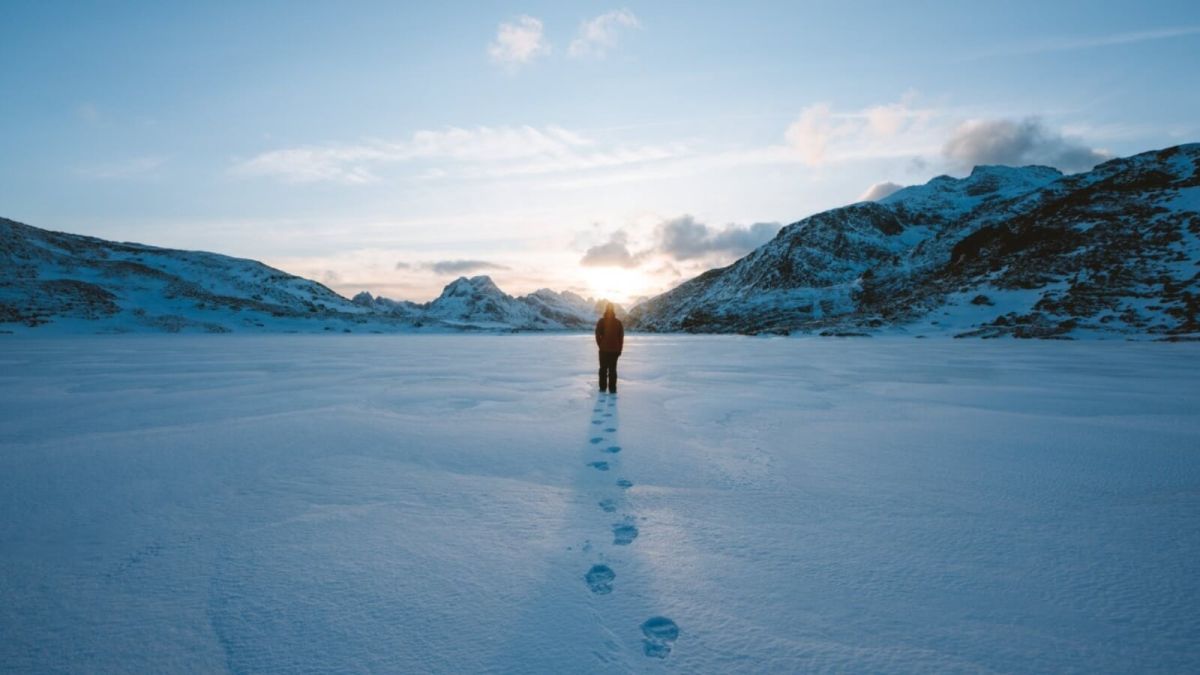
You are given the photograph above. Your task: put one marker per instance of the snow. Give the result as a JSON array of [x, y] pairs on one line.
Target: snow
[[951, 197], [422, 503]]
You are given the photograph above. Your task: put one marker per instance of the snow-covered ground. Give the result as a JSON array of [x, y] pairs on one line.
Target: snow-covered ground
[[456, 504]]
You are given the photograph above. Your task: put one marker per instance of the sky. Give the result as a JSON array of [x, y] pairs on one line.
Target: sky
[[613, 150]]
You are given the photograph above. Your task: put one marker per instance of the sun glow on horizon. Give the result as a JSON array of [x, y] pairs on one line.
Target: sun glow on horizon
[[619, 284]]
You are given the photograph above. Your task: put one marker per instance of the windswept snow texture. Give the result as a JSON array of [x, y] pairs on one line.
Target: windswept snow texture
[[425, 504]]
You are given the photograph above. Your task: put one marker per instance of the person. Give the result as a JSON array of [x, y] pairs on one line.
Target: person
[[610, 338]]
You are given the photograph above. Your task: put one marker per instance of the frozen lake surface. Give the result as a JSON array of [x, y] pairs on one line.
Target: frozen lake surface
[[470, 504]]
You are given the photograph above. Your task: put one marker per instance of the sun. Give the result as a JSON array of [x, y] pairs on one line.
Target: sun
[[617, 284]]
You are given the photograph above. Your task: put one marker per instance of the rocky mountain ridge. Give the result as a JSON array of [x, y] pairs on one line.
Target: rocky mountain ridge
[[1026, 252]]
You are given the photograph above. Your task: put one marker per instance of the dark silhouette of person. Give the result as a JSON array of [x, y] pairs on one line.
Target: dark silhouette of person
[[610, 338]]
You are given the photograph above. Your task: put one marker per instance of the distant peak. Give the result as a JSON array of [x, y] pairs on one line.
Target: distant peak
[[478, 281], [463, 286]]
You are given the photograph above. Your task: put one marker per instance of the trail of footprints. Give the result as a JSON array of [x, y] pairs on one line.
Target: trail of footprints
[[659, 632]]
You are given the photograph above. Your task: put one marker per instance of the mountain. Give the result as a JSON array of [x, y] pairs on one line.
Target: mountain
[[1026, 252], [568, 309], [73, 283], [478, 303], [81, 283]]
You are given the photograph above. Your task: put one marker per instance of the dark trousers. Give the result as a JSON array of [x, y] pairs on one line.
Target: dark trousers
[[608, 371]]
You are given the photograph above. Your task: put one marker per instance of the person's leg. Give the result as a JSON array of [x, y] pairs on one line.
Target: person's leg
[[612, 373], [603, 372]]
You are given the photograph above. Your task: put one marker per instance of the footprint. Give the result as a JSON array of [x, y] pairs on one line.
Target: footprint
[[595, 440], [660, 633], [607, 414], [613, 449], [602, 466], [609, 429], [624, 484], [597, 421], [608, 505], [600, 580], [624, 532]]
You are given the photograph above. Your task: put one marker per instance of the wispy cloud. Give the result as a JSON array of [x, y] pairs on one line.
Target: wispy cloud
[[599, 35], [134, 167], [821, 134], [445, 267], [518, 42], [341, 164], [482, 152], [1064, 43]]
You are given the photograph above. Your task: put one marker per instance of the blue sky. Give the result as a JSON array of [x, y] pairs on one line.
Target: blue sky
[[610, 149]]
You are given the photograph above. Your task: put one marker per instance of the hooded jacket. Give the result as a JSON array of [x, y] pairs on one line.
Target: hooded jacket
[[610, 334]]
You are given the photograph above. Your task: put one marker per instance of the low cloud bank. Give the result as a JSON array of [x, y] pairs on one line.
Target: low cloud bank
[[683, 238], [1017, 143]]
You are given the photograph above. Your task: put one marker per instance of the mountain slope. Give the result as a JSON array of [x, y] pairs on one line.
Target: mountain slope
[[90, 283], [1017, 251]]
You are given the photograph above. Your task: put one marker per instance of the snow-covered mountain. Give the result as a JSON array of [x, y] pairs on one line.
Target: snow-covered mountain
[[1025, 251], [85, 284], [74, 283], [476, 303]]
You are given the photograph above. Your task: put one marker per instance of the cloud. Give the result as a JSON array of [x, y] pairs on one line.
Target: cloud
[[821, 134], [461, 266], [482, 152], [683, 238], [613, 253], [518, 43], [680, 240], [667, 269], [338, 164], [1063, 44], [1016, 143], [402, 266], [811, 133], [135, 167], [903, 130], [879, 191], [598, 35]]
